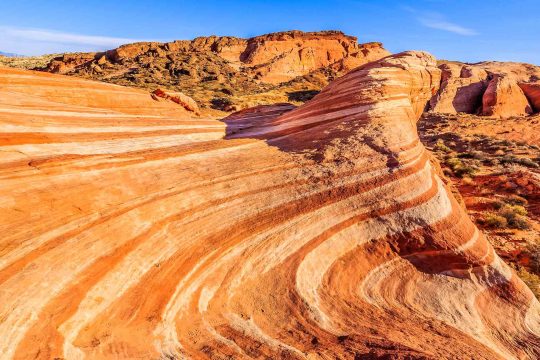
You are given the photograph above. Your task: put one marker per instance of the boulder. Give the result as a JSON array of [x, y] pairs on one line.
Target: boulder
[[181, 99], [532, 92], [461, 89], [504, 98]]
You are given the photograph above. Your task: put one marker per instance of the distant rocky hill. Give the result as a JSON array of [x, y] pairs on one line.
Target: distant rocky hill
[[27, 62], [228, 72]]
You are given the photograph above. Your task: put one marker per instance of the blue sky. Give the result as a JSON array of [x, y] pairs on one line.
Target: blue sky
[[467, 30]]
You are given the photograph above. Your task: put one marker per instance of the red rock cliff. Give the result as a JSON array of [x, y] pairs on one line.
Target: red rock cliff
[[271, 58]]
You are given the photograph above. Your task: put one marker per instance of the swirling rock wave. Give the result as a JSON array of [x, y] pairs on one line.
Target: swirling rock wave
[[317, 232]]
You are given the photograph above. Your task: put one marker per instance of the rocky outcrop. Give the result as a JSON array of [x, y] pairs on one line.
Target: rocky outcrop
[[320, 231], [211, 68], [70, 61], [461, 89], [280, 57], [504, 98], [532, 92], [181, 99], [487, 88], [271, 58]]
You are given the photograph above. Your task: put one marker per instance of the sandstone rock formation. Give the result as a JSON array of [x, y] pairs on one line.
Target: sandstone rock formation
[[532, 92], [487, 88], [209, 68], [272, 58], [181, 99], [280, 57], [504, 98], [461, 89], [315, 232]]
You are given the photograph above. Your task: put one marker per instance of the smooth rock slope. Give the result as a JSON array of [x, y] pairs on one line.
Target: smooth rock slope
[[318, 232]]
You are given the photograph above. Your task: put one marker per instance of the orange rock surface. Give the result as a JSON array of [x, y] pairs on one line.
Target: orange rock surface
[[181, 99], [494, 89], [133, 231], [461, 89], [504, 98], [279, 57], [271, 58], [532, 92]]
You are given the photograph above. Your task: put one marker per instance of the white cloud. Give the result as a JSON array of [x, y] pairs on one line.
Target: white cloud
[[442, 24], [64, 38], [435, 20], [34, 41]]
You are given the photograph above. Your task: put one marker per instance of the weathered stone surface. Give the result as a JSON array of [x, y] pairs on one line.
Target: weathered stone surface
[[504, 98], [532, 92], [271, 58], [207, 67], [181, 99], [463, 88], [132, 231], [280, 57]]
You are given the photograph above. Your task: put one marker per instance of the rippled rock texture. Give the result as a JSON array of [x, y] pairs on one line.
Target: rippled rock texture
[[133, 231]]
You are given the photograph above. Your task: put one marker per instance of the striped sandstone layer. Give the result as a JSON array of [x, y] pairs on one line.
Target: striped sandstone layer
[[318, 232]]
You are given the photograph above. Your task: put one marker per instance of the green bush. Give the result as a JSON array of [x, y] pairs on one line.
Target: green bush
[[441, 146], [508, 216], [516, 200], [509, 159], [459, 168], [495, 221]]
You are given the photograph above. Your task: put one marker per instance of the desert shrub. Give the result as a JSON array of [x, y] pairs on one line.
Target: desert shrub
[[517, 209], [515, 215], [464, 170], [453, 162], [507, 216], [531, 279], [478, 155], [495, 221], [227, 91], [521, 222], [528, 162], [459, 168], [441, 146], [534, 253], [222, 103], [302, 95], [516, 200], [509, 159]]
